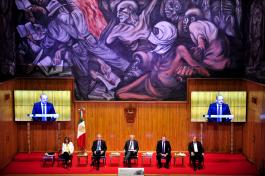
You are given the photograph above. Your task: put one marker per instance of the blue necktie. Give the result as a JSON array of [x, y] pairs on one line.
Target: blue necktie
[[163, 147], [98, 147], [219, 119]]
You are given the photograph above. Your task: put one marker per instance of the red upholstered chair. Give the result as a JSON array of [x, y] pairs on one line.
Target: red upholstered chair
[[103, 158], [202, 164]]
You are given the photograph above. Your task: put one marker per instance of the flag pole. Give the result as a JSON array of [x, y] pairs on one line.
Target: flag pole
[[80, 128]]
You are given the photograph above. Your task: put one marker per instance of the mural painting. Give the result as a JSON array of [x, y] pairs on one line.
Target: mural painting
[[129, 49]]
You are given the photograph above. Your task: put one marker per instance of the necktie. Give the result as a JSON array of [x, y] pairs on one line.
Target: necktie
[[43, 109], [219, 113], [98, 147], [130, 146], [163, 147]]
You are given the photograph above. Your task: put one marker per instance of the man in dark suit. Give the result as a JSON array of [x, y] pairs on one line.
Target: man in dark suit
[[131, 149], [163, 150], [219, 108], [99, 148], [196, 152], [43, 107]]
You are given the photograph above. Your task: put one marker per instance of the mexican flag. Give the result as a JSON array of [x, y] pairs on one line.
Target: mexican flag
[[81, 132]]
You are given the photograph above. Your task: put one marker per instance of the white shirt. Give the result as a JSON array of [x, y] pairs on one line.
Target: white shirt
[[69, 148], [131, 146], [99, 145], [195, 147]]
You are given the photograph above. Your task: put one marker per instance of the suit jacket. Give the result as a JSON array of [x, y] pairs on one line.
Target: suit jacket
[[103, 146], [199, 145], [127, 143], [213, 111], [70, 146], [167, 147], [37, 110]]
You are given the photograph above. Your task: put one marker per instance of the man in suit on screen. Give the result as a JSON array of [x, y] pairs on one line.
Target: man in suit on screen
[[99, 148], [163, 150], [131, 149], [43, 107], [219, 108]]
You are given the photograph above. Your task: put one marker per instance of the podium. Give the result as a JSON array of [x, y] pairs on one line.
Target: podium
[[219, 116], [43, 117], [222, 117]]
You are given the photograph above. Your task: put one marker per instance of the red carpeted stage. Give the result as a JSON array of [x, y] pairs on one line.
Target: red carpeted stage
[[215, 163]]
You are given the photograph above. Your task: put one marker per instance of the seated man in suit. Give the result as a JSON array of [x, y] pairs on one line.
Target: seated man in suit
[[163, 149], [99, 148], [196, 152], [43, 107], [131, 149], [219, 108]]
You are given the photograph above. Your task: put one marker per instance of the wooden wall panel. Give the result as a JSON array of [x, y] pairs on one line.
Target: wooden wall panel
[[254, 129], [8, 134], [153, 119]]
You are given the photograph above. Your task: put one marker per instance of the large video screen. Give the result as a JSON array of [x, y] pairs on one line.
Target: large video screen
[[218, 106], [42, 105]]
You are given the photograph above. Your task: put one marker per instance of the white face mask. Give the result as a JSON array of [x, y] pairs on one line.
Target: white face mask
[[163, 36]]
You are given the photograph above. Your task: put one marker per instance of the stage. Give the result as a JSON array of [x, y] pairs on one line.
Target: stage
[[215, 164]]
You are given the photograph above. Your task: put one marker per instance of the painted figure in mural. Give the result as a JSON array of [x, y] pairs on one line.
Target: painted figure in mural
[[171, 65], [174, 10], [225, 15], [141, 55], [67, 39], [130, 29], [209, 46], [256, 38]]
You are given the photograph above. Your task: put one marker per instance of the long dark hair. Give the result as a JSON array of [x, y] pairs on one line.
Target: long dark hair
[[66, 138]]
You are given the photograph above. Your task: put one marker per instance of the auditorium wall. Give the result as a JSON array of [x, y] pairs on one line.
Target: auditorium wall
[[152, 120], [8, 128]]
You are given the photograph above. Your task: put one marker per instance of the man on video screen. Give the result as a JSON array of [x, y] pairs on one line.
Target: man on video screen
[[219, 108], [43, 107]]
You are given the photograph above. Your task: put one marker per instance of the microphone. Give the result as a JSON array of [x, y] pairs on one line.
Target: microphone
[[81, 109]]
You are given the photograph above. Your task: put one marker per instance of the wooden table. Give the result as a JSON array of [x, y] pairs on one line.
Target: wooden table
[[179, 155], [114, 155], [82, 155], [147, 155]]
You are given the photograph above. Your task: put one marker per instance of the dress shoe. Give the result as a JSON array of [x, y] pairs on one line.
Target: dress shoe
[[167, 166], [199, 167], [159, 166]]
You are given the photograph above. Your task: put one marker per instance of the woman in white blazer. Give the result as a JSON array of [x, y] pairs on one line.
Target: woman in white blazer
[[67, 150]]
